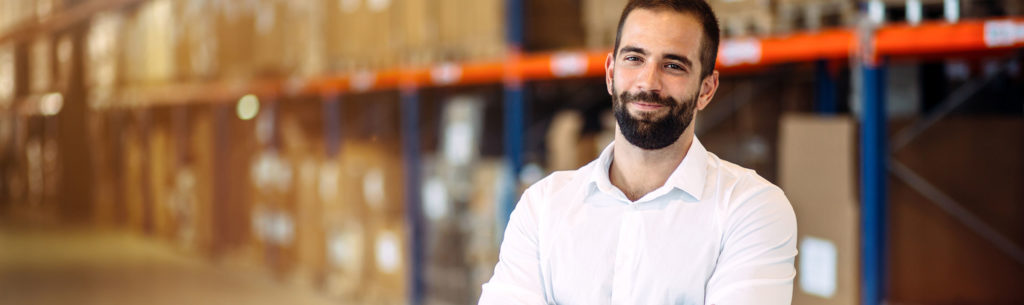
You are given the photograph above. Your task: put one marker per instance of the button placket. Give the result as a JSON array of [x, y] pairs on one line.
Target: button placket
[[626, 260]]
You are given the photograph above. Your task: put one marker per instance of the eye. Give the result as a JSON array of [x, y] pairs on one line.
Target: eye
[[674, 67], [631, 58]]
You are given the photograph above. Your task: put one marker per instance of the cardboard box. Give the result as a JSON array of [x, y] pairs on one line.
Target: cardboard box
[[236, 36], [418, 32], [197, 225], [41, 65], [104, 155], [553, 25], [305, 41], [743, 17], [482, 246], [161, 162], [812, 15], [365, 238], [360, 35], [817, 172], [484, 30], [600, 21], [197, 44], [134, 184]]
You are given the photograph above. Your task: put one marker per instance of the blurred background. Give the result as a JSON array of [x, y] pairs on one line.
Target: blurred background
[[370, 151]]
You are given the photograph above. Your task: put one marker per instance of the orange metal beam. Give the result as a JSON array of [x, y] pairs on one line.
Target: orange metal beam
[[931, 39]]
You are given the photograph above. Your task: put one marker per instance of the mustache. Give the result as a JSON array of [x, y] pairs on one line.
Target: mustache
[[647, 97]]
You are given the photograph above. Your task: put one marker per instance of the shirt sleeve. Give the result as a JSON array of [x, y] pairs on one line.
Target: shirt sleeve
[[755, 265], [517, 278]]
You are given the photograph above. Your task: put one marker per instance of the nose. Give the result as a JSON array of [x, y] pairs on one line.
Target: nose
[[649, 79]]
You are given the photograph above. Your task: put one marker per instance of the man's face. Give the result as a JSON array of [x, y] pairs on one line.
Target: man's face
[[654, 79]]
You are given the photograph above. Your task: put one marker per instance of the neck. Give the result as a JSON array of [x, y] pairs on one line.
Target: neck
[[637, 171]]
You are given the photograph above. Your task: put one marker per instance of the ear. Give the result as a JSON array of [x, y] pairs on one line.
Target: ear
[[708, 87], [609, 69]]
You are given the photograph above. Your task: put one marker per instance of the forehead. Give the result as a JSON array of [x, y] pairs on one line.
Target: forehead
[[662, 31]]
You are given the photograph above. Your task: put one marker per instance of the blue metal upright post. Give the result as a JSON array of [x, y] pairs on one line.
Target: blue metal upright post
[[824, 89], [413, 214], [331, 112], [874, 156], [513, 109]]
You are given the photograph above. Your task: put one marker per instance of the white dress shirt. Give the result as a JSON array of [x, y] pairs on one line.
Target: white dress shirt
[[715, 233]]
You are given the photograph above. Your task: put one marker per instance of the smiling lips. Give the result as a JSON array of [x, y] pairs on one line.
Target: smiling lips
[[647, 106]]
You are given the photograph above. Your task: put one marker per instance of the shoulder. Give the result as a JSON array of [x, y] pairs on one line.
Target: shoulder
[[553, 183], [743, 193]]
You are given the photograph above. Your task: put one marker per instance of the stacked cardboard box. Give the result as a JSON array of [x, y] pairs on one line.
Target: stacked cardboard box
[[196, 223], [7, 76], [134, 185], [813, 15], [359, 34], [161, 161], [101, 58], [739, 18], [105, 158], [601, 18], [482, 246], [197, 45], [553, 25], [816, 169], [364, 230], [14, 13], [471, 30]]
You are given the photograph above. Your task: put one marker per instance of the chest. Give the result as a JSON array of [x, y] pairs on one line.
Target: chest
[[619, 254]]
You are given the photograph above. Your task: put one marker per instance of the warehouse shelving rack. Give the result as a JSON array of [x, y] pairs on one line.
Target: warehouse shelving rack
[[871, 47]]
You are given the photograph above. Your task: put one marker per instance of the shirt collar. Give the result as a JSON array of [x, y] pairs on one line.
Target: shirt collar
[[689, 176]]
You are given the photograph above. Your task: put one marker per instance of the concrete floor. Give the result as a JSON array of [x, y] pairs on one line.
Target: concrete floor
[[45, 265]]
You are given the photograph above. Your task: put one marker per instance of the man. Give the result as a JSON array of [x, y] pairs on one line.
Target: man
[[656, 219]]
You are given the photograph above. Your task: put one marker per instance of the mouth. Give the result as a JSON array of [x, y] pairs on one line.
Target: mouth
[[647, 106]]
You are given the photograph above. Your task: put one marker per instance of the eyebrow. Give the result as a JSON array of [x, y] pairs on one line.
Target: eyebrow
[[682, 59]]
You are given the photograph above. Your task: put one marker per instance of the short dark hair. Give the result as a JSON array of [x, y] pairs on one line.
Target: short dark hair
[[698, 9]]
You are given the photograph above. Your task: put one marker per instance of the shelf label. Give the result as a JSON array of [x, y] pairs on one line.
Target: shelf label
[[568, 64], [362, 81], [446, 74], [1003, 33], [740, 51], [818, 267]]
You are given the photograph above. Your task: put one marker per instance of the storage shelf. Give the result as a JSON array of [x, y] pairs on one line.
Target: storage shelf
[[929, 39], [735, 55], [61, 20]]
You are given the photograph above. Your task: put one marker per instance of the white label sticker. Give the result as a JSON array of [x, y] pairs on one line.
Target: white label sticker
[[378, 5], [345, 248], [1003, 33], [362, 81], [446, 74], [568, 64], [818, 267], [387, 252], [435, 199], [373, 188], [741, 51], [328, 184]]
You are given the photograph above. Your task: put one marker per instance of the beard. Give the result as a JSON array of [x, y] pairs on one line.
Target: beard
[[648, 131]]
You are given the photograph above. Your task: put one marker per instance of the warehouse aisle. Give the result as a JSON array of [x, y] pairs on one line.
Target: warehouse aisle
[[43, 265]]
